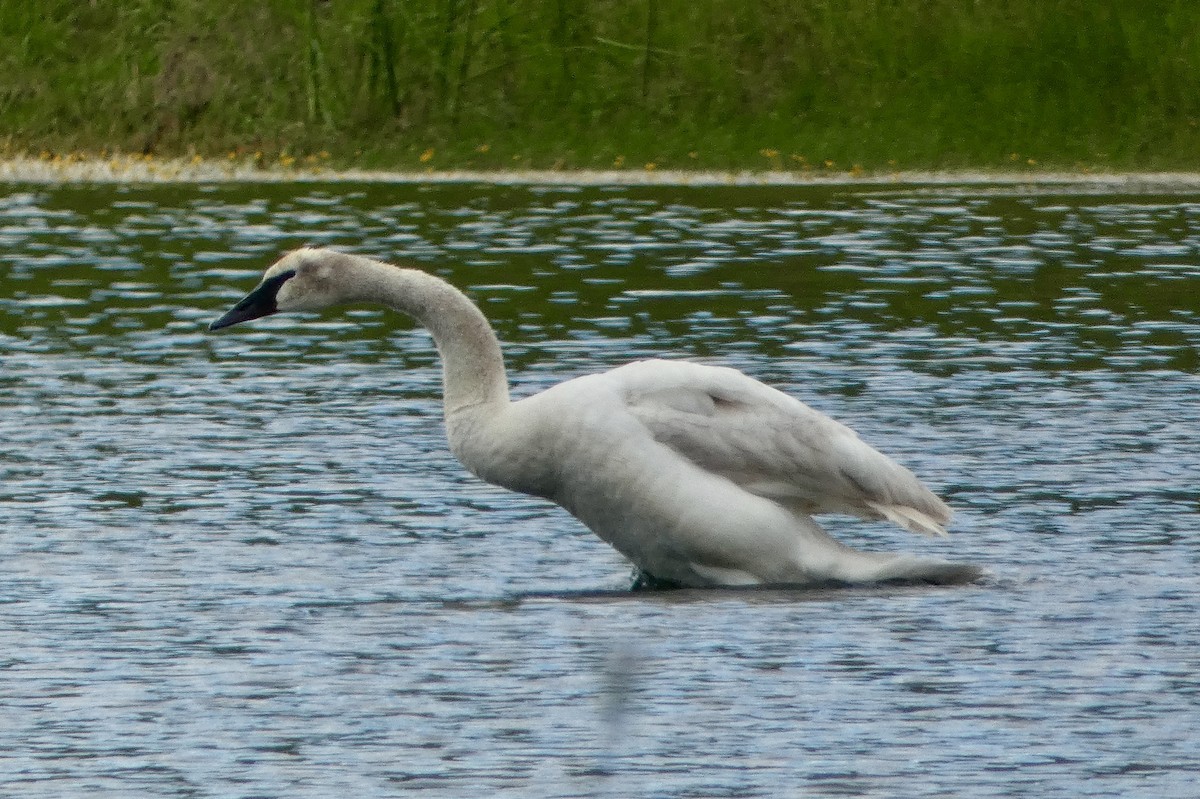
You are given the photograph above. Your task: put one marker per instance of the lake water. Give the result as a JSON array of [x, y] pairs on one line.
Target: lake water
[[246, 565]]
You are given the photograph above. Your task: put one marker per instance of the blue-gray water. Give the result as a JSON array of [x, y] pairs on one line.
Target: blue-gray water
[[246, 565]]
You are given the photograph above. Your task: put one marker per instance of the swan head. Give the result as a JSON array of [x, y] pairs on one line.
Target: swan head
[[303, 280]]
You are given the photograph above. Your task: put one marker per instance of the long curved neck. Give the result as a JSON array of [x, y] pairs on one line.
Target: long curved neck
[[472, 363]]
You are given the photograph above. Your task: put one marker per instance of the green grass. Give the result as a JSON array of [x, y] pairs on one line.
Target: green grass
[[879, 84]]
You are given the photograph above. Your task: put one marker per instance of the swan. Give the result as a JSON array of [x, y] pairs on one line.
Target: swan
[[699, 475]]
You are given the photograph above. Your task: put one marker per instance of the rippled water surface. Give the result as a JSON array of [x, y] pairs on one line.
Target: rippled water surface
[[246, 564]]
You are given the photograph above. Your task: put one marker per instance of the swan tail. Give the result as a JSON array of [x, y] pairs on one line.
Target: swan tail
[[858, 567], [911, 519], [921, 570], [823, 557]]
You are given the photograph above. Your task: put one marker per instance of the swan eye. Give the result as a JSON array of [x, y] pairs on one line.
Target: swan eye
[[277, 281], [273, 284]]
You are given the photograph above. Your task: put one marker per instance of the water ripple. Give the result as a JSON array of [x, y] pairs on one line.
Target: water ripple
[[248, 565]]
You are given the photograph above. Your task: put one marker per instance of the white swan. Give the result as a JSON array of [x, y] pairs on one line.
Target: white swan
[[700, 475]]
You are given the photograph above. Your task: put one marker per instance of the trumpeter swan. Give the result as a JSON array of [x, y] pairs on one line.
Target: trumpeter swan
[[698, 474]]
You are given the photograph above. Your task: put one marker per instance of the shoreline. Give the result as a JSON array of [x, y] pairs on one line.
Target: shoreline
[[139, 170]]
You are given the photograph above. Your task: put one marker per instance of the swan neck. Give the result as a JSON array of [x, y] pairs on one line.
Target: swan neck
[[472, 362]]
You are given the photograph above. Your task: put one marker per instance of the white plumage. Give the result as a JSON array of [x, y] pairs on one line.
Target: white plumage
[[698, 474]]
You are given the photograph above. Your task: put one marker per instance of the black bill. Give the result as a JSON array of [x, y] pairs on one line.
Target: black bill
[[258, 303]]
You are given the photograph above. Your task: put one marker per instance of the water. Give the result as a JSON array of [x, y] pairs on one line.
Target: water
[[245, 565]]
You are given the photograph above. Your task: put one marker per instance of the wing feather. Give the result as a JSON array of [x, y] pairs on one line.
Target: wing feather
[[774, 445]]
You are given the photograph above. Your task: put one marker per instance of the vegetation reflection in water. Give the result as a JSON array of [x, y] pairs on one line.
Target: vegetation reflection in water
[[1080, 284], [251, 561]]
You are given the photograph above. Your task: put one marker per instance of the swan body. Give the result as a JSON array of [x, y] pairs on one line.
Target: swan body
[[698, 474]]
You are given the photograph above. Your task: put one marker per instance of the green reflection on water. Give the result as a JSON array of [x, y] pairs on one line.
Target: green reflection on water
[[1076, 282]]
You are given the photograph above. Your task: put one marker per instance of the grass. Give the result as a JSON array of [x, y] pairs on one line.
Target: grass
[[494, 84]]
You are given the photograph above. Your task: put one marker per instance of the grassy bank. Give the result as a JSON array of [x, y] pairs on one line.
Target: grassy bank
[[823, 85]]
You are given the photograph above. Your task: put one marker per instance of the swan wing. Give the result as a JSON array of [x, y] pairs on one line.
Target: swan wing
[[773, 445]]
